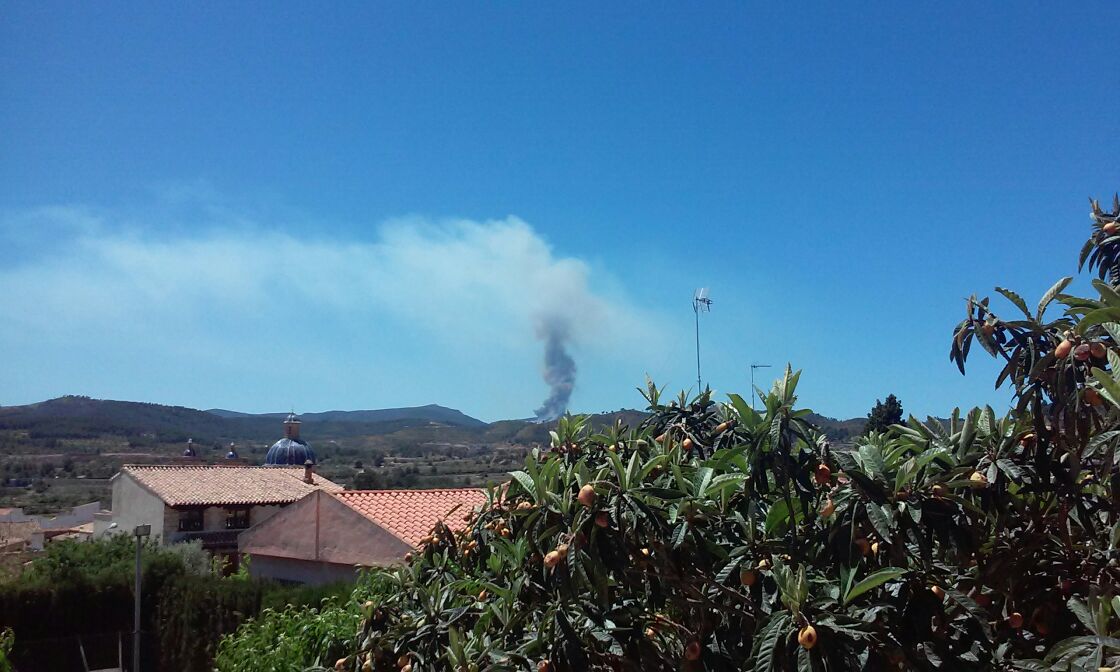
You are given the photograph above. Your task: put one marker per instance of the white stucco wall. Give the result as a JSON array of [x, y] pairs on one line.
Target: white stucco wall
[[133, 505]]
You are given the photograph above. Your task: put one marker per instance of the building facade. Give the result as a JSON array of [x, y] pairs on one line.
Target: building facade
[[208, 503], [329, 536]]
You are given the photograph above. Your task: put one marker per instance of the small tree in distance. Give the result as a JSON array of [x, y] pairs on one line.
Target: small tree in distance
[[883, 415]]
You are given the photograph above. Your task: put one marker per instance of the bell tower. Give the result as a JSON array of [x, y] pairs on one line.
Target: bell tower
[[291, 427]]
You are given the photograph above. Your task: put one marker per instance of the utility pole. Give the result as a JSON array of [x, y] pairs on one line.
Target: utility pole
[[753, 393], [140, 533]]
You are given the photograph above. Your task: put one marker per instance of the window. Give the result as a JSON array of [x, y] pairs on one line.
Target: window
[[237, 519], [190, 520]]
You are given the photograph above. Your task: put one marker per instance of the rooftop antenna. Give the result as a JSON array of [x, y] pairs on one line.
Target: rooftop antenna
[[700, 303], [754, 394]]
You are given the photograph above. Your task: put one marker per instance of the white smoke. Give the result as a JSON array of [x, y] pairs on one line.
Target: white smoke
[[492, 284]]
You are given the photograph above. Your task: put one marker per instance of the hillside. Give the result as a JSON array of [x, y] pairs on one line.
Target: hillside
[[83, 417], [61, 452], [431, 412], [77, 417]]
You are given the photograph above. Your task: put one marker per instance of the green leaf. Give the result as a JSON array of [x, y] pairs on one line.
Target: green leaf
[[680, 534], [747, 415], [1108, 294], [767, 642], [1011, 469], [705, 474], [1050, 294], [880, 518], [778, 514], [526, 482], [1099, 316], [973, 609], [969, 430], [872, 582], [1082, 613], [872, 459], [1110, 388], [619, 472], [1113, 330], [1015, 299]]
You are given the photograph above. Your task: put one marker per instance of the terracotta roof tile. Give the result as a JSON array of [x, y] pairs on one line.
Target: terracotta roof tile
[[197, 485], [410, 514]]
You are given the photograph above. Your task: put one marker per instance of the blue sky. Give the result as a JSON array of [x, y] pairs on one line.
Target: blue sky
[[266, 205]]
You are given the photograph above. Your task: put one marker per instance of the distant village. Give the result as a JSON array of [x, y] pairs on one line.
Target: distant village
[[292, 524]]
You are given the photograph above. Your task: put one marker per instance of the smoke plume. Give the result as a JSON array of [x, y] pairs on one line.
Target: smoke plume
[[559, 369], [459, 296]]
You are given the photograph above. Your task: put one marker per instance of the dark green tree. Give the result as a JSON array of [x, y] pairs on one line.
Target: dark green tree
[[368, 480], [883, 415]]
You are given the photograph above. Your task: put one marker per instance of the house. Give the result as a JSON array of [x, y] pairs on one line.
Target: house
[[329, 535], [19, 530], [209, 503]]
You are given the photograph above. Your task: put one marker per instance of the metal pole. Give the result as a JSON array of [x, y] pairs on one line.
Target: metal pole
[[696, 309], [753, 394], [136, 614]]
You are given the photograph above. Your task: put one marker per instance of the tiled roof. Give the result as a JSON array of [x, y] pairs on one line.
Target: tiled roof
[[196, 485], [410, 514]]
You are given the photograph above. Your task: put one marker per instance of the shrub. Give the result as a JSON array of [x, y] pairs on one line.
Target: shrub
[[293, 636], [7, 638], [716, 537]]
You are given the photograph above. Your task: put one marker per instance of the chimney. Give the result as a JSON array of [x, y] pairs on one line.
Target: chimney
[[308, 474]]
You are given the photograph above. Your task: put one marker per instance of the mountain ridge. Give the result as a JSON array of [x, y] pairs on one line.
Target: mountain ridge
[[433, 412], [72, 415]]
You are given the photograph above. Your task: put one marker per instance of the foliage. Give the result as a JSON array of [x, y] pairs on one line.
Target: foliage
[[884, 415], [195, 612], [291, 637], [7, 638], [711, 536], [108, 560], [84, 589]]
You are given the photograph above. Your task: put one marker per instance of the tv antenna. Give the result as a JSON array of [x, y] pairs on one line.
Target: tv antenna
[[700, 303], [754, 394]]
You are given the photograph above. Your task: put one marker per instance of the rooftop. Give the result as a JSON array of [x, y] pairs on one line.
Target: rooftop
[[410, 514], [224, 484]]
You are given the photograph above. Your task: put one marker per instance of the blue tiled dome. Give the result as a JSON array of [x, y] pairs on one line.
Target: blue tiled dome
[[290, 451]]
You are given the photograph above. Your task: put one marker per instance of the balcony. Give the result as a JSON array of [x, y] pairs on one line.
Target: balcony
[[212, 540]]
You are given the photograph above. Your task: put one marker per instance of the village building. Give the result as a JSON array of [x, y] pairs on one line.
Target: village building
[[23, 532], [330, 535], [294, 525], [208, 503], [212, 503]]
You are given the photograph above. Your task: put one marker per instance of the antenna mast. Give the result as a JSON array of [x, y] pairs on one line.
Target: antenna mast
[[700, 302]]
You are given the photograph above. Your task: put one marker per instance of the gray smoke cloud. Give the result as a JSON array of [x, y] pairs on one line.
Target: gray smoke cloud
[[559, 369]]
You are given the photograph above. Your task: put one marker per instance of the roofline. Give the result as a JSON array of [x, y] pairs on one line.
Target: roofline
[[316, 487], [212, 464], [271, 502], [373, 492]]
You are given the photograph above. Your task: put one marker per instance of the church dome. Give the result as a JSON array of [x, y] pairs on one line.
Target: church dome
[[290, 450]]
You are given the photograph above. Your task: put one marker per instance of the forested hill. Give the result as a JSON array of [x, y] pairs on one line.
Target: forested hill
[[75, 416], [83, 417]]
